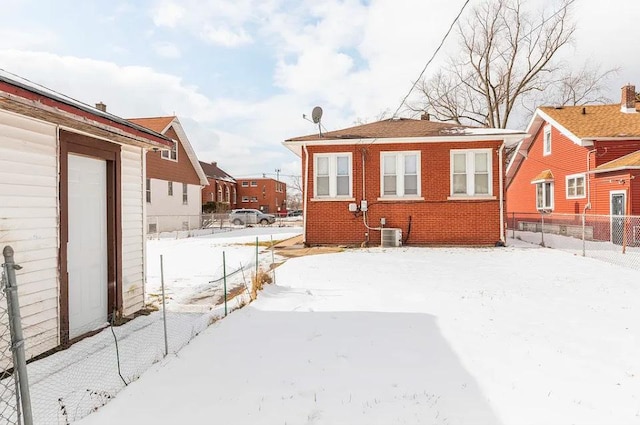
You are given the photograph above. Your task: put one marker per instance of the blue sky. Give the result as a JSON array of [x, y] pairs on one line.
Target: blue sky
[[240, 73]]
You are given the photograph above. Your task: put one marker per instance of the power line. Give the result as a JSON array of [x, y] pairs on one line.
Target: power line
[[413, 86]]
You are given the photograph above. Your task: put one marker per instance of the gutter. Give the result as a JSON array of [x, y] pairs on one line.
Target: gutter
[[502, 238]]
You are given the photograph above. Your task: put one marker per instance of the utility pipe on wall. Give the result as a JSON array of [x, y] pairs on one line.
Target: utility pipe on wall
[[502, 239], [305, 191]]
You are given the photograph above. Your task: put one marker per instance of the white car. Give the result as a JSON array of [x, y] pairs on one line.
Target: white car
[[250, 216]]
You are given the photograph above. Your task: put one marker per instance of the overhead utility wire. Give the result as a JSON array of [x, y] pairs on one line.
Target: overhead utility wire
[[432, 57]]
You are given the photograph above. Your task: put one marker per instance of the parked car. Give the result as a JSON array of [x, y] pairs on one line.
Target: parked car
[[294, 213], [250, 216]]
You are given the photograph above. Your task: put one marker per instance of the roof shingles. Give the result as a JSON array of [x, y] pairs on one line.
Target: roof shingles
[[597, 121], [157, 124], [390, 128]]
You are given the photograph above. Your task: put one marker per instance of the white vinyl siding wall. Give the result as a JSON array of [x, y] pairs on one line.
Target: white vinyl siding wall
[[169, 213], [133, 238], [29, 208]]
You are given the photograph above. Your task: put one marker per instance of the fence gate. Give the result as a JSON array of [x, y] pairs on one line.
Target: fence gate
[[617, 217]]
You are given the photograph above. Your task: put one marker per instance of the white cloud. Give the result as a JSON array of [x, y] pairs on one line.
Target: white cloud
[[134, 91], [168, 14], [225, 37], [27, 38], [167, 50]]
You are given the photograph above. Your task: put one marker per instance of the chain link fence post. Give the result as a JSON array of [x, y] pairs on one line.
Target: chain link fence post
[[17, 339]]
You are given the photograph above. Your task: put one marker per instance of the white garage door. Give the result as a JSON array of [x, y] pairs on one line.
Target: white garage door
[[87, 248]]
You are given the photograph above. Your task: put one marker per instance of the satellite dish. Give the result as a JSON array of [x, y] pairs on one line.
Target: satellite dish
[[316, 114]]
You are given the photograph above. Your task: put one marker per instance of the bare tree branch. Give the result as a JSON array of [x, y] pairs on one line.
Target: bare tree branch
[[506, 61]]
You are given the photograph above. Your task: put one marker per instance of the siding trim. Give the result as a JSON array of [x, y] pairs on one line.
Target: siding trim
[[111, 152]]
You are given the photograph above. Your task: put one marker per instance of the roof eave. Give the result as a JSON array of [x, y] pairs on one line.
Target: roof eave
[[38, 110], [621, 168]]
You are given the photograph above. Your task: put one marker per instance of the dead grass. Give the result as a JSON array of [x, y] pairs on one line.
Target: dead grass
[[264, 244], [258, 281]]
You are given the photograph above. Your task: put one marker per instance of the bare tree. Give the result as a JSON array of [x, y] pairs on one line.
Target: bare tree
[[506, 58], [294, 193]]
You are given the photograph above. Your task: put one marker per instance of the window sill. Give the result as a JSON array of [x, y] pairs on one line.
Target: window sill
[[400, 198], [470, 198], [333, 199], [576, 197]]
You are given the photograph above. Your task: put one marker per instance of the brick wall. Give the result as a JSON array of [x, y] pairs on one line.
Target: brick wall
[[270, 195], [180, 171], [210, 193], [434, 220]]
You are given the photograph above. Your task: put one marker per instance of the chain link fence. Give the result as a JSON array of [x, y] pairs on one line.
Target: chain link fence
[[75, 379], [9, 410], [186, 226], [611, 238]]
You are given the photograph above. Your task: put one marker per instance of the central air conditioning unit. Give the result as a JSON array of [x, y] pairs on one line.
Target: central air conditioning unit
[[391, 237]]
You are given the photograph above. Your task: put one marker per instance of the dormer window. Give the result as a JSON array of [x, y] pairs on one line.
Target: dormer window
[[171, 154]]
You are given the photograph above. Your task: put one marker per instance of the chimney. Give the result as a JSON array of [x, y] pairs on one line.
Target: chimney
[[101, 107], [628, 102], [425, 116], [215, 164]]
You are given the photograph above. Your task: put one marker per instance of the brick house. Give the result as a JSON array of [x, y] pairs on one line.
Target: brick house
[[265, 194], [437, 183], [71, 203], [579, 159], [174, 179], [222, 189]]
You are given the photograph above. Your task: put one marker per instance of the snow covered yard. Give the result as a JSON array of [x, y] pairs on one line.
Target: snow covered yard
[[517, 335]]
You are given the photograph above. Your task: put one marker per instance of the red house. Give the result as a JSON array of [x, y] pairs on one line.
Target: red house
[[579, 159], [404, 181]]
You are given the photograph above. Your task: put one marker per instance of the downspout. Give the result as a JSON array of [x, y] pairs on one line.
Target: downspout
[[145, 225], [587, 206], [502, 239], [364, 197], [306, 194]]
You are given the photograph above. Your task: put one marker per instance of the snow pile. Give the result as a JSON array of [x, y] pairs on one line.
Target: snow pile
[[518, 335]]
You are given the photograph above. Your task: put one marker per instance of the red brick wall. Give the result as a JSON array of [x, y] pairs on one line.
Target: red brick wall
[[180, 171], [270, 199], [212, 189], [434, 220]]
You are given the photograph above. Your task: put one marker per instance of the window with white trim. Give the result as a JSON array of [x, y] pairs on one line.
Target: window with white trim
[[148, 190], [219, 193], [400, 174], [471, 173], [245, 184], [171, 154], [254, 184], [575, 186], [546, 149], [235, 195], [245, 199], [227, 194], [544, 195], [332, 175], [185, 194], [170, 188]]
